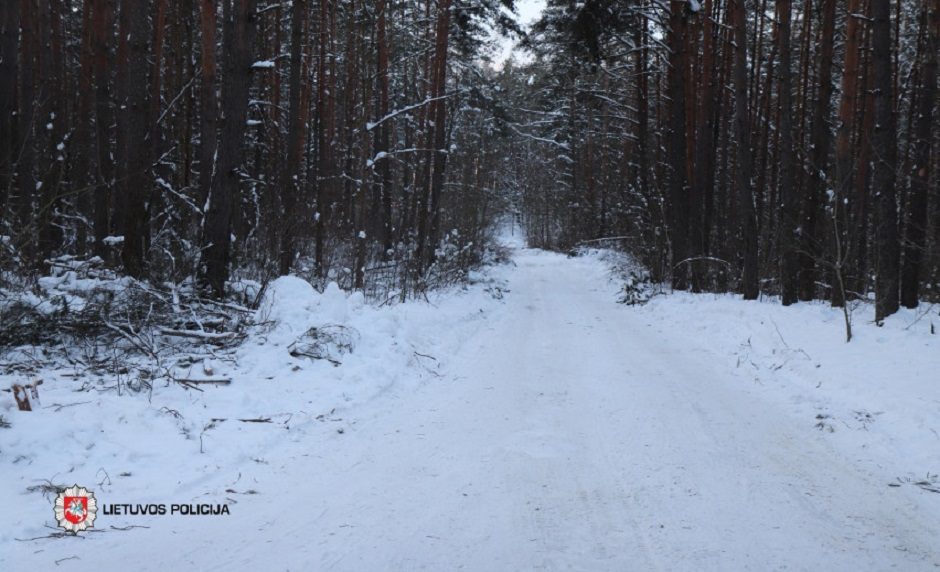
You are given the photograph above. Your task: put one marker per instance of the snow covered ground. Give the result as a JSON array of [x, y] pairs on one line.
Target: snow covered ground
[[525, 422]]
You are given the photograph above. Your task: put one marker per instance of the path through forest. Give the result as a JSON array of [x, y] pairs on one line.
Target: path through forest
[[573, 437], [567, 434]]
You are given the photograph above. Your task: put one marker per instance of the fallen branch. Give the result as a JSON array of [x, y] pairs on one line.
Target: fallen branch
[[213, 337], [133, 339], [52, 535], [216, 380], [188, 386]]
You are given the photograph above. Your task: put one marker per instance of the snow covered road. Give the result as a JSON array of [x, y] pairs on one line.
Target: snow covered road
[[567, 433], [574, 438]]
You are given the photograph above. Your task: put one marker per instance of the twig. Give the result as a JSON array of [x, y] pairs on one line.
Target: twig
[[188, 386], [785, 342], [135, 342], [925, 312], [217, 381], [51, 535], [60, 407], [213, 337]]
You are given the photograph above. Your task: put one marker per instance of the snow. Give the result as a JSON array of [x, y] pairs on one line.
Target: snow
[[266, 64], [524, 421], [288, 303], [378, 157], [878, 395]]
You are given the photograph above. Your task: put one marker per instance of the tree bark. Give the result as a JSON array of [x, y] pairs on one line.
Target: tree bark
[[9, 46], [848, 111], [134, 124], [884, 147], [704, 172], [238, 34], [154, 133], [820, 143], [82, 173], [382, 135], [789, 217], [433, 176], [289, 179], [676, 149], [925, 99], [210, 105], [26, 177], [104, 117], [54, 119], [750, 285], [325, 182]]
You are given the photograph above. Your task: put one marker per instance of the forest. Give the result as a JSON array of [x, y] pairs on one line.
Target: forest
[[778, 148], [482, 285]]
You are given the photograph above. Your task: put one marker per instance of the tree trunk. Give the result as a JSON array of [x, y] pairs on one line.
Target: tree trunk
[[289, 179], [820, 143], [884, 147], [848, 110], [9, 46], [210, 105], [925, 97], [704, 173], [433, 177], [82, 173], [25, 146], [326, 200], [676, 150], [133, 123], [643, 143], [789, 216], [238, 32], [383, 130], [54, 121], [750, 284], [154, 139], [104, 117]]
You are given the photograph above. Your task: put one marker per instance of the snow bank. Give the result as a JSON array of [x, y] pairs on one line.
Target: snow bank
[[288, 305], [215, 443], [878, 395]]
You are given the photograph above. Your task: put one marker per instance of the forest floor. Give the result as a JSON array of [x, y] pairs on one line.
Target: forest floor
[[527, 422]]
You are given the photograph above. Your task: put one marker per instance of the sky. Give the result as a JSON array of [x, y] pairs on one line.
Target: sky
[[529, 11]]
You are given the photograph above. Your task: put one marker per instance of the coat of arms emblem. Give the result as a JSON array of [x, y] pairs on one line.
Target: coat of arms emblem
[[75, 509]]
